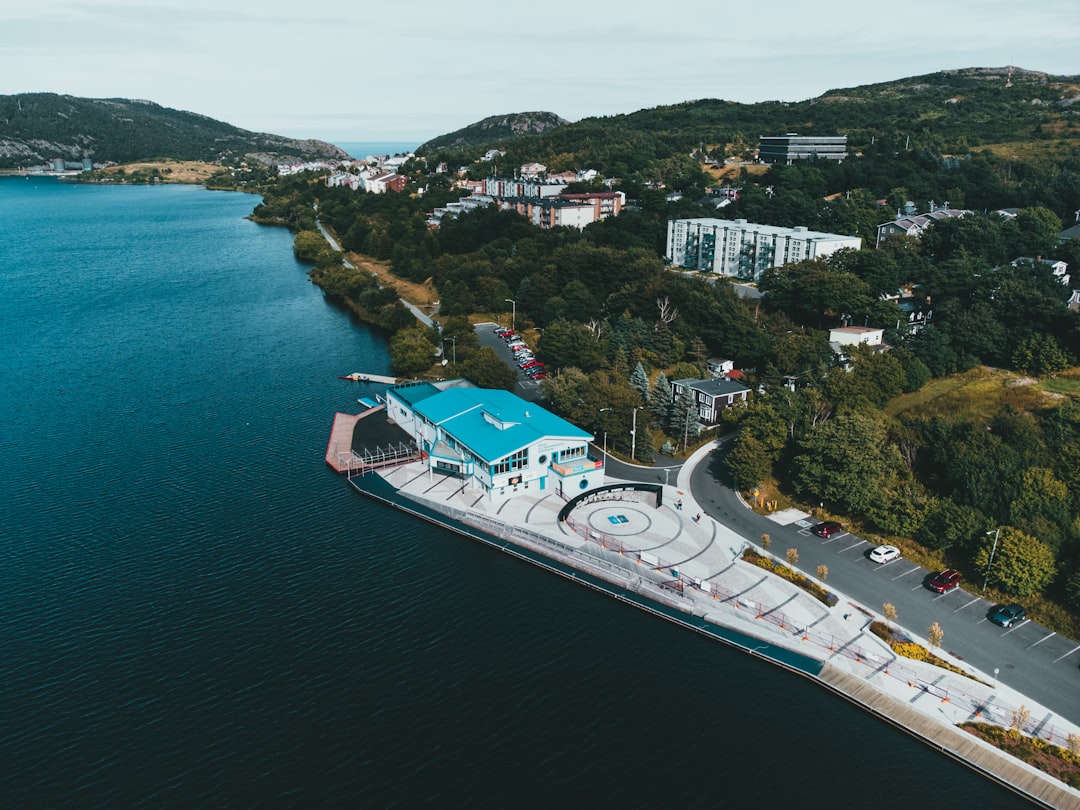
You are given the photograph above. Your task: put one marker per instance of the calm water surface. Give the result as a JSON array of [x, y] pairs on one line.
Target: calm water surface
[[195, 612]]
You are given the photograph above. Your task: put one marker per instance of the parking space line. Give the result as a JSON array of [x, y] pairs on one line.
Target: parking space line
[[1066, 655], [849, 548], [911, 570], [1037, 643], [967, 604]]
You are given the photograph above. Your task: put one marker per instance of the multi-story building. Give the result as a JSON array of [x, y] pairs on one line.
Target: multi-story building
[[738, 249], [791, 147], [495, 442]]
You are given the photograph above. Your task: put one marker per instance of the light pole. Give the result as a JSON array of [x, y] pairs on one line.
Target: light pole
[[996, 671], [453, 342], [633, 433], [605, 438], [996, 532], [513, 315]]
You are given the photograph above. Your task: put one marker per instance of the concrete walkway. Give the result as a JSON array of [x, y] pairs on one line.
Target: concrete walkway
[[690, 566]]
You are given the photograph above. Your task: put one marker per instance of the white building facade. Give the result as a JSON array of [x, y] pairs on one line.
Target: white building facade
[[735, 248]]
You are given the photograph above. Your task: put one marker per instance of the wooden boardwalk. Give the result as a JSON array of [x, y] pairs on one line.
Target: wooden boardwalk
[[1008, 771], [339, 449]]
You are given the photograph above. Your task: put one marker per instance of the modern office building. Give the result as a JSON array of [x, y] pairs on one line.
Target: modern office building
[[738, 249], [791, 147]]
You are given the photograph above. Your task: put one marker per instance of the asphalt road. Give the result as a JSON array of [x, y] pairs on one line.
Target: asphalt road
[[526, 387]]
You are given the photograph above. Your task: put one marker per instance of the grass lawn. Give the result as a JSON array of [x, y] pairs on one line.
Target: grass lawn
[[980, 393]]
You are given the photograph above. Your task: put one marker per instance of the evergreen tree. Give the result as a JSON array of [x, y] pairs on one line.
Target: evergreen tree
[[684, 424], [659, 400], [639, 379]]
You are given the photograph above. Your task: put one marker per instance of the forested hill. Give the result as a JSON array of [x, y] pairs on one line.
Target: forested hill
[[951, 111], [35, 128]]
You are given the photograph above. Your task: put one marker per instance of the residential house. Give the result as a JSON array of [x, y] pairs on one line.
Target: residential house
[[842, 336], [495, 442], [915, 225], [710, 396], [531, 171]]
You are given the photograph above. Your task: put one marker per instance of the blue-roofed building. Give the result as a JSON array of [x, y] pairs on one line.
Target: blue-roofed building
[[495, 441]]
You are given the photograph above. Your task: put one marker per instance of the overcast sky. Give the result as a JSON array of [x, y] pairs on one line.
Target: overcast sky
[[376, 70]]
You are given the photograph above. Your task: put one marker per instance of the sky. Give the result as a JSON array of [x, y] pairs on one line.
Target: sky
[[411, 70]]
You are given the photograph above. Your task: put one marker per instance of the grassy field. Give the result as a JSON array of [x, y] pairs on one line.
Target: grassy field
[[982, 392]]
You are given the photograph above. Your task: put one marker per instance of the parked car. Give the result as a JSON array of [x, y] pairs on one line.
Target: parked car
[[535, 370], [540, 375], [827, 529], [531, 364], [1008, 615], [884, 554], [945, 581]]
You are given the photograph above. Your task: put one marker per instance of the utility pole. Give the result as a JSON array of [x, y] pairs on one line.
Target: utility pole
[[513, 316]]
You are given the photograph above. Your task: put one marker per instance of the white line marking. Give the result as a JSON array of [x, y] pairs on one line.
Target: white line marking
[[1066, 655], [1040, 641], [911, 570], [972, 602]]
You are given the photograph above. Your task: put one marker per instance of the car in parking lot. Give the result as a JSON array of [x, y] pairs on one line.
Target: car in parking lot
[[945, 581], [540, 375], [827, 529], [1008, 615], [884, 554], [530, 364]]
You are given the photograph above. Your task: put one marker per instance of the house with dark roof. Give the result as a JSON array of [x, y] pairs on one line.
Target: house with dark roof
[[495, 442], [710, 396]]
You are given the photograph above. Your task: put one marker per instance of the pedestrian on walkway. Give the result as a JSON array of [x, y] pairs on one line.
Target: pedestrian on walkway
[[697, 517], [679, 505]]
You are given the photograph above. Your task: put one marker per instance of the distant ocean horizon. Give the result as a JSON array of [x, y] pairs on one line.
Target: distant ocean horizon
[[362, 149]]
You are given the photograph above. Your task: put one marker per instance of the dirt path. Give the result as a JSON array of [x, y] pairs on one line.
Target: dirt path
[[421, 295]]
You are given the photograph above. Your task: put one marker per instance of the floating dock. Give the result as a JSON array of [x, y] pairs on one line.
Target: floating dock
[[358, 376]]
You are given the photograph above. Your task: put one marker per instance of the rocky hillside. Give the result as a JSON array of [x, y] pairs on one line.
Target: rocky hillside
[[497, 128], [35, 128]]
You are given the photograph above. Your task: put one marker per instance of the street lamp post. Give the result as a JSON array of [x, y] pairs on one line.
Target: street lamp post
[[633, 433], [605, 438], [996, 532], [453, 342], [513, 315]]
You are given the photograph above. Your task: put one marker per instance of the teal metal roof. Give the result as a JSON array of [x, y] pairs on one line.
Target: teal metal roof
[[493, 423], [411, 393]]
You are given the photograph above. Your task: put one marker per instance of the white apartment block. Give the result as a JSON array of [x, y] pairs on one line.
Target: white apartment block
[[735, 248]]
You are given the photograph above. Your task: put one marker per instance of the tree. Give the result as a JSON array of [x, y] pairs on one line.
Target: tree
[[747, 462], [1022, 565], [1039, 354], [888, 610], [684, 424], [411, 352], [485, 368], [639, 379], [935, 635], [659, 400], [847, 460]]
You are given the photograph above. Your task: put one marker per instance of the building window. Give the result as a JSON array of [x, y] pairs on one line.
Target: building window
[[571, 453]]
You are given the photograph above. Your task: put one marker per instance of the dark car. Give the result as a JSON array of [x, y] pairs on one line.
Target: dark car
[[827, 529], [1008, 615], [945, 581]]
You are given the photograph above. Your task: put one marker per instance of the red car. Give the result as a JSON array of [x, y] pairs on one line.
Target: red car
[[947, 580], [827, 529]]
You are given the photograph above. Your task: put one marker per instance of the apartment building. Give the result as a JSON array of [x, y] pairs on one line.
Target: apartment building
[[735, 248]]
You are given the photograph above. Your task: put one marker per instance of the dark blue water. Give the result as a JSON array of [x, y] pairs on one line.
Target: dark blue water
[[195, 612]]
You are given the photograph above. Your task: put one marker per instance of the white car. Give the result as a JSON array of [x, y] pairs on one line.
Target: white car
[[884, 554]]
